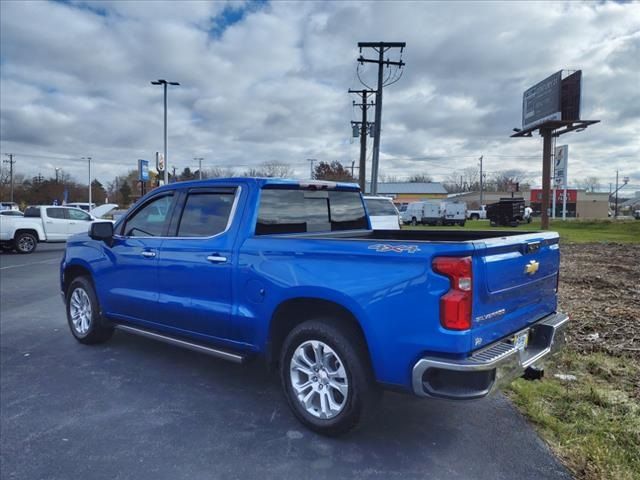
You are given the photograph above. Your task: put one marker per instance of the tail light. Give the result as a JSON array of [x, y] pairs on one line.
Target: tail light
[[455, 305]]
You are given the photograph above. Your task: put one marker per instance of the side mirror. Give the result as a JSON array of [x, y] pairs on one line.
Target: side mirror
[[102, 231]]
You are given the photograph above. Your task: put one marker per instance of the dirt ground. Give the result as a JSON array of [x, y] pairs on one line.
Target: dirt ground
[[600, 289]]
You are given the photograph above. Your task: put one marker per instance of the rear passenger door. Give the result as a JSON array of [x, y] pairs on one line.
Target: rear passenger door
[[195, 264], [56, 225]]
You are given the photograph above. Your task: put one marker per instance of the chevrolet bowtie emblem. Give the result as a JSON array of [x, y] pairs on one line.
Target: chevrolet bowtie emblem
[[531, 267]]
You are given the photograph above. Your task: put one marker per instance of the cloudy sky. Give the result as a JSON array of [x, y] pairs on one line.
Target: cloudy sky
[[268, 81]]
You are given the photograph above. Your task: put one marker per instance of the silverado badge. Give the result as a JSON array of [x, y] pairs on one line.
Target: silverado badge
[[531, 267]]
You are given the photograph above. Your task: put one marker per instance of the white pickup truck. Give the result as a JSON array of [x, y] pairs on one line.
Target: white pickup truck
[[477, 214], [46, 223]]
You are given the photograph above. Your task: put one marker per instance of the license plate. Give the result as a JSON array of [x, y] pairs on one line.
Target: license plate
[[520, 340]]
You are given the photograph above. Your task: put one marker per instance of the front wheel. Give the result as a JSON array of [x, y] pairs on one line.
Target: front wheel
[[83, 313], [326, 376]]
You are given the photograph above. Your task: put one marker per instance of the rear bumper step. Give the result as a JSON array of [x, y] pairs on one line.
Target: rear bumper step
[[197, 347], [490, 368]]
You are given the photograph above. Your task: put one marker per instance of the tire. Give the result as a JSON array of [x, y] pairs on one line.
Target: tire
[[25, 243], [414, 222], [342, 352], [462, 223], [474, 216], [89, 327]]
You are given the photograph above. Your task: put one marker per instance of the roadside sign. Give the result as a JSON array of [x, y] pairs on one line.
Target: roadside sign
[[143, 170], [159, 162], [561, 156]]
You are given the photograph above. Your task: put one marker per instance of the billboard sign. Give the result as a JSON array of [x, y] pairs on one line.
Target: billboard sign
[[143, 170], [560, 156], [542, 102]]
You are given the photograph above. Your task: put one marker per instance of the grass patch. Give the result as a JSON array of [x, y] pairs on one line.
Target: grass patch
[[575, 231], [593, 422]]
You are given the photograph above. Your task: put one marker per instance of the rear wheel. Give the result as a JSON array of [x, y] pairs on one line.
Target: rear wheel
[[474, 216], [83, 313], [326, 376], [25, 242]]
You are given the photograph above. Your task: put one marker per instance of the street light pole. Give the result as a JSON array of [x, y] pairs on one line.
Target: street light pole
[[311, 161], [164, 83], [89, 160], [199, 160]]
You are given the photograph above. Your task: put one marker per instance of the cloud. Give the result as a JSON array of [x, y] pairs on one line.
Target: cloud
[[268, 81]]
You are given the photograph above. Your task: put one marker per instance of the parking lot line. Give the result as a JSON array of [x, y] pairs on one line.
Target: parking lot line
[[51, 260]]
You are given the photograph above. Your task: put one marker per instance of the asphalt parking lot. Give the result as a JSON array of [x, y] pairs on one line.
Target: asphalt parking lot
[[133, 408]]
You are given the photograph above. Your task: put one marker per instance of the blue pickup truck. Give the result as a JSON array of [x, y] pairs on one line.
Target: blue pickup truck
[[291, 272]]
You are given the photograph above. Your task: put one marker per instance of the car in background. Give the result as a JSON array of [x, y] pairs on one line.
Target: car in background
[[479, 214], [11, 213], [86, 206], [4, 206], [636, 214], [43, 223], [383, 213]]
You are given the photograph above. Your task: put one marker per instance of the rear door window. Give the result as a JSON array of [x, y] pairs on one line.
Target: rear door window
[[57, 213], [205, 213], [300, 211]]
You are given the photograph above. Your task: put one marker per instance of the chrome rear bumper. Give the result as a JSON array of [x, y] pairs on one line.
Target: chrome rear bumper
[[490, 368]]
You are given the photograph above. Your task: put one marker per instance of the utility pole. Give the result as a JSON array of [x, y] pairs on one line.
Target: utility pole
[[164, 83], [199, 160], [625, 180], [481, 185], [311, 161], [11, 161], [364, 125], [547, 134], [57, 170], [89, 159], [381, 48]]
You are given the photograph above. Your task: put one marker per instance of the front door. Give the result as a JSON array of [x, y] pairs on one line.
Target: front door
[[195, 264], [79, 221], [131, 286]]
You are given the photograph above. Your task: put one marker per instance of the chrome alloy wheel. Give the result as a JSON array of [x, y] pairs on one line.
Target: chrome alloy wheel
[[26, 243], [319, 379], [80, 311]]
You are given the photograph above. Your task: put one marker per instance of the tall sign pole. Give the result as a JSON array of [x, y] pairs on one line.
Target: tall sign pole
[[381, 48], [552, 107]]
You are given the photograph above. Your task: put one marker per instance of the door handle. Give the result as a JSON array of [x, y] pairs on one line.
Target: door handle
[[216, 259], [148, 254]]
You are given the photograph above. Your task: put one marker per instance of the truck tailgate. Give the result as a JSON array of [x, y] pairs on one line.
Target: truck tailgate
[[515, 284]]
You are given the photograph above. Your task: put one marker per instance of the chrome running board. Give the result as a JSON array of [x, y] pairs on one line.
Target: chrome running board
[[196, 347]]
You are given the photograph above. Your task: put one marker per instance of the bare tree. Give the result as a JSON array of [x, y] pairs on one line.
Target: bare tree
[[420, 178], [270, 169], [590, 184], [500, 181], [218, 172]]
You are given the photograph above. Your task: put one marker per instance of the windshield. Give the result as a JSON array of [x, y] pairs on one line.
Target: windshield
[[379, 207]]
